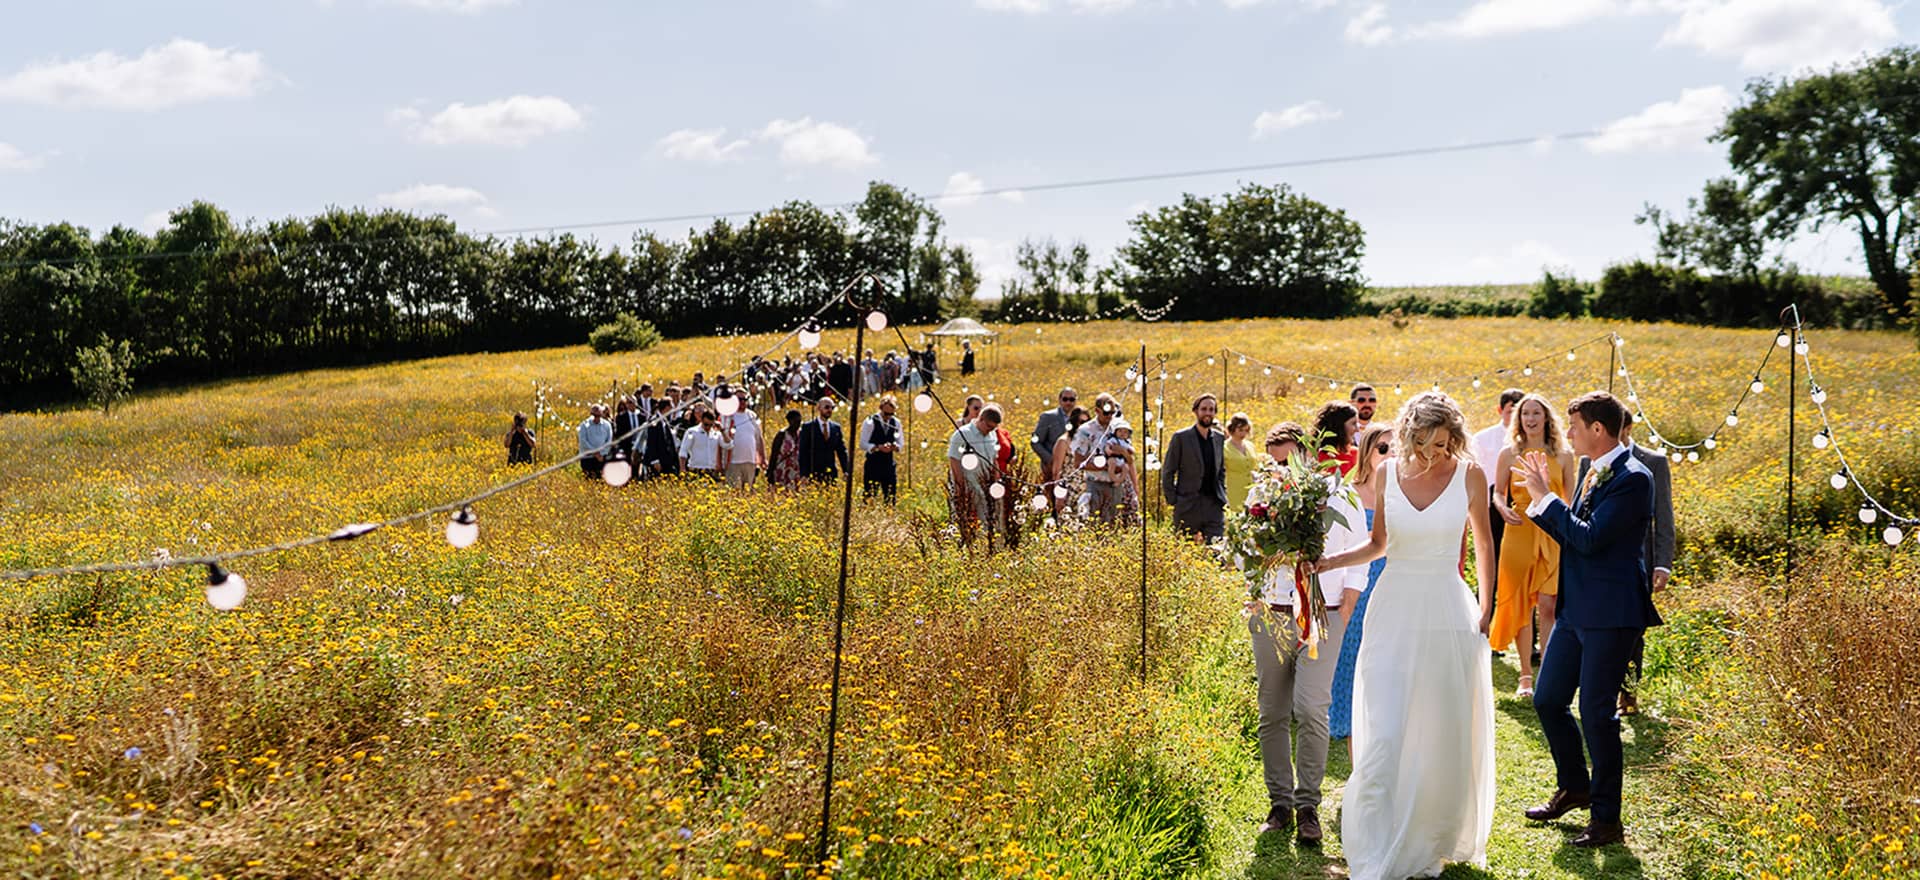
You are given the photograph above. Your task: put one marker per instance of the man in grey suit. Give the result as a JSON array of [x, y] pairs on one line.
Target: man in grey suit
[[1659, 545], [1194, 478], [1053, 423]]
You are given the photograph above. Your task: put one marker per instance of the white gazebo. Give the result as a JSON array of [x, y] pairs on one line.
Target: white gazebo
[[966, 328]]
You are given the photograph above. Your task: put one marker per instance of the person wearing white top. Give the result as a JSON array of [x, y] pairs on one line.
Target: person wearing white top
[[701, 446], [1297, 685], [746, 450]]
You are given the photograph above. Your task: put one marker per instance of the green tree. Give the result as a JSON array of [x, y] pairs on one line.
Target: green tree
[[104, 373], [1048, 278], [1723, 232], [1260, 252], [898, 239], [1839, 147], [961, 284]]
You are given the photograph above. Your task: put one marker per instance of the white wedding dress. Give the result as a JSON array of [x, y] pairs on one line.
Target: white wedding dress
[[1421, 792]]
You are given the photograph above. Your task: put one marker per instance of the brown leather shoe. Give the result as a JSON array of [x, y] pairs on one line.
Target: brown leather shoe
[[1309, 821], [1562, 803], [1629, 705], [1278, 819], [1601, 834]]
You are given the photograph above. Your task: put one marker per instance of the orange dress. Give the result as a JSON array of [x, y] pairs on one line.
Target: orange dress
[[1529, 565]]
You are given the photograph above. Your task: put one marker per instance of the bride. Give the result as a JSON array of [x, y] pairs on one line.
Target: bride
[[1421, 792]]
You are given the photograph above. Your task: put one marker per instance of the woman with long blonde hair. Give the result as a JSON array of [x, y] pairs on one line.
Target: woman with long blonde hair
[[1529, 576], [1421, 791]]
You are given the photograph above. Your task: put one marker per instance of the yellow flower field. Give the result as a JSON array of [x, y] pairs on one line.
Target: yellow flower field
[[632, 682]]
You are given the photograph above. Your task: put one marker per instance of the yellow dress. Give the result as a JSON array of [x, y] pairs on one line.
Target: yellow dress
[[1239, 478], [1529, 565]]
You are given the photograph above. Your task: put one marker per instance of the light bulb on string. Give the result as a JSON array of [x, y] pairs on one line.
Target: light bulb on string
[[1299, 380], [1783, 340], [1476, 381], [1209, 361], [1733, 419], [225, 590], [810, 335], [1819, 395], [1619, 340], [1132, 371], [1163, 375], [1757, 386], [1266, 371], [876, 320], [1821, 440], [997, 490], [1570, 355], [1838, 481], [1868, 514], [617, 472], [1622, 372], [1099, 461], [1060, 492], [1179, 376], [1396, 389], [1243, 360], [463, 528], [1528, 371], [1893, 536], [1710, 443], [1693, 455], [725, 402], [922, 402], [1332, 384], [970, 461], [1039, 502], [1800, 347]]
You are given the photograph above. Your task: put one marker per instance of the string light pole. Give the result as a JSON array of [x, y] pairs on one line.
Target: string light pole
[[1146, 415], [872, 318], [1784, 339]]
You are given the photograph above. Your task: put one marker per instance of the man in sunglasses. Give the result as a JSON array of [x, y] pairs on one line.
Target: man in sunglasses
[[1053, 423], [1364, 401]]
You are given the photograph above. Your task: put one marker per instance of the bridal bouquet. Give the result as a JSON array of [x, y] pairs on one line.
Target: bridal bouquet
[[1283, 527]]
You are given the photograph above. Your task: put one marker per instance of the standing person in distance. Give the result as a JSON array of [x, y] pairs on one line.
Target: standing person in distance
[[880, 438], [1239, 456], [1606, 605], [703, 447], [973, 443], [1529, 577], [823, 447], [746, 448], [596, 441], [626, 428], [784, 472], [1052, 424], [966, 357], [1067, 484], [520, 441], [1660, 545], [1193, 477], [1338, 423], [1364, 402]]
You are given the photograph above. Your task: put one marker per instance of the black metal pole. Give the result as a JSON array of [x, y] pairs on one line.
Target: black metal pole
[[1145, 408], [1793, 393], [1223, 377], [1613, 361], [840, 607]]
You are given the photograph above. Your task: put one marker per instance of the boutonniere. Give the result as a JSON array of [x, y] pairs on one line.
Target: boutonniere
[[1601, 475]]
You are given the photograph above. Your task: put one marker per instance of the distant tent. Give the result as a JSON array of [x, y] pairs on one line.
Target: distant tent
[[963, 327]]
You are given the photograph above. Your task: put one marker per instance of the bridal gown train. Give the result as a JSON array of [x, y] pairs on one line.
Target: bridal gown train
[[1421, 791]]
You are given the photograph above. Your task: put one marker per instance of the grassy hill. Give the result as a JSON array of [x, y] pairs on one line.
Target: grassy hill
[[630, 682]]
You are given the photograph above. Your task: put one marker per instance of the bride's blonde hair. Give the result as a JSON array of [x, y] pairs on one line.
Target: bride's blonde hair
[[1425, 413]]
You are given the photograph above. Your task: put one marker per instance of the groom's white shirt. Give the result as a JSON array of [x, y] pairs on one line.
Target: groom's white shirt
[[1539, 505]]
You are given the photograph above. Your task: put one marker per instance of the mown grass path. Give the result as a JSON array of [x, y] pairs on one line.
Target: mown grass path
[[1518, 848]]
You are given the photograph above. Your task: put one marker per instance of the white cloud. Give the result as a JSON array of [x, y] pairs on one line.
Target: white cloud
[[1271, 123], [995, 259], [180, 72], [1369, 27], [1783, 35], [1036, 7], [1522, 262], [962, 189], [512, 122], [1014, 196], [13, 158], [702, 145], [1493, 18], [462, 6], [806, 142], [1683, 123], [438, 197]]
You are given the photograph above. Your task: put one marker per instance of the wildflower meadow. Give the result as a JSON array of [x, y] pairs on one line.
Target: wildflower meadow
[[633, 681]]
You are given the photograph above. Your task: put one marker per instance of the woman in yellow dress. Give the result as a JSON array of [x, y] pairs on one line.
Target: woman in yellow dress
[[1529, 560], [1239, 463]]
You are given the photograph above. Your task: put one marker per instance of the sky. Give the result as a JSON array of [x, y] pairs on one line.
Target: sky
[[516, 114]]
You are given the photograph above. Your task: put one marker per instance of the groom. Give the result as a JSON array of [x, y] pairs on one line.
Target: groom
[[1606, 605]]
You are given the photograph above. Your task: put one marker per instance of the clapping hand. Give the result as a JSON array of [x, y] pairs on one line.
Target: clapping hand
[[1534, 468]]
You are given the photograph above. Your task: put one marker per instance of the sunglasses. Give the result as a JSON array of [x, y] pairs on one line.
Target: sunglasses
[[1383, 448], [1365, 400], [1068, 399]]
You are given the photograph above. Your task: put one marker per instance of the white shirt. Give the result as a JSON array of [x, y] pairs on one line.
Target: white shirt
[[866, 433], [746, 436], [1089, 440], [701, 448], [1333, 582], [1486, 450], [1539, 505]]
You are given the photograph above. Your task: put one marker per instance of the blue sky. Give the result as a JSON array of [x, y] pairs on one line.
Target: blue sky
[[530, 113]]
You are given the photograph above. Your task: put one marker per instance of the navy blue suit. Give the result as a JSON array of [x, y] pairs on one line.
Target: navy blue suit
[[1606, 605]]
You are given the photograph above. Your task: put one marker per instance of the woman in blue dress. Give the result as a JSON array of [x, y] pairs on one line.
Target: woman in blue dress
[[1375, 447]]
